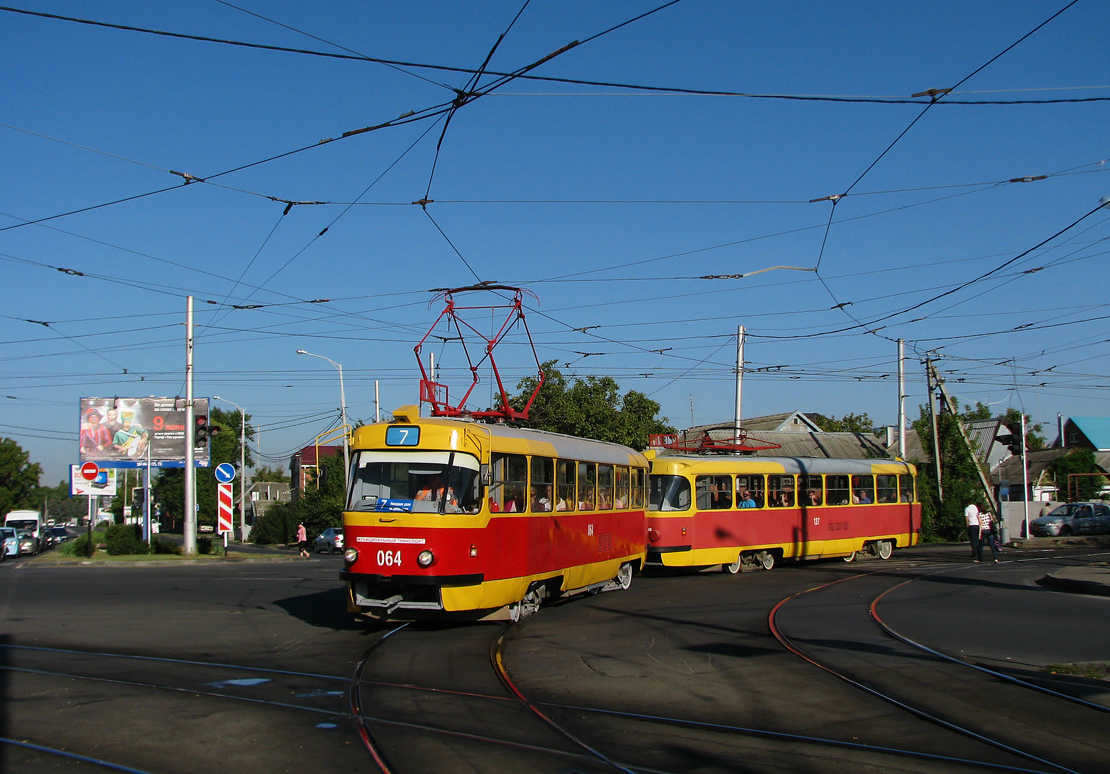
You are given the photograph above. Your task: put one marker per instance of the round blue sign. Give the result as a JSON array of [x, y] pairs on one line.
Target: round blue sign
[[225, 472]]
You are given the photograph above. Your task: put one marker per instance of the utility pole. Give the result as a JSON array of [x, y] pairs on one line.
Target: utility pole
[[952, 409], [190, 521], [739, 379]]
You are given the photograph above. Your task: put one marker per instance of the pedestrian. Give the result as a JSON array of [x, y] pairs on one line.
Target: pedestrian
[[971, 515], [986, 533], [302, 540]]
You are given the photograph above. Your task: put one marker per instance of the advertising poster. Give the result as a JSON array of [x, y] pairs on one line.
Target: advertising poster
[[127, 432], [103, 484]]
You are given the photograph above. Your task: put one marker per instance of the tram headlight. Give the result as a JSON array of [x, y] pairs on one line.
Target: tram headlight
[[350, 556], [425, 558]]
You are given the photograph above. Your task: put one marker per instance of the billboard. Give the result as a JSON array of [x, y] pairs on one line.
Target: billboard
[[129, 432], [103, 484]]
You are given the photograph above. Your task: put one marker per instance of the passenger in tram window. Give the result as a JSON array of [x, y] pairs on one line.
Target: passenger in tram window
[[814, 497], [746, 500], [863, 497], [541, 499]]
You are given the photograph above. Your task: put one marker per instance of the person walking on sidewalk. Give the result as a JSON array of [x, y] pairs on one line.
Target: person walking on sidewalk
[[302, 540], [974, 528]]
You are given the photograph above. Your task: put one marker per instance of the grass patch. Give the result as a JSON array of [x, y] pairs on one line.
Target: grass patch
[[1094, 670]]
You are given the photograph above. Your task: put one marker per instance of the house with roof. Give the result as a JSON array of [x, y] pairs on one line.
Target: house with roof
[[305, 466], [791, 434]]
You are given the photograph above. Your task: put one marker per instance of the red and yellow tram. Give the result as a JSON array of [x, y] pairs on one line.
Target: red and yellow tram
[[737, 510], [450, 516]]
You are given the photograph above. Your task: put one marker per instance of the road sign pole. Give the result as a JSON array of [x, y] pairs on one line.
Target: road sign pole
[[88, 530]]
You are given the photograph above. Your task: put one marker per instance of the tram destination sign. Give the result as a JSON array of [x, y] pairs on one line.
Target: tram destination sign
[[135, 432]]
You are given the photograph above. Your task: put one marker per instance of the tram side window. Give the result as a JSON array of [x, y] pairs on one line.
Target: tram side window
[[780, 491], [838, 490], [587, 486], [543, 484], [668, 493], [811, 490], [638, 480], [863, 489], [749, 489], [565, 497], [510, 481], [906, 488], [605, 487], [886, 489], [622, 493], [714, 492]]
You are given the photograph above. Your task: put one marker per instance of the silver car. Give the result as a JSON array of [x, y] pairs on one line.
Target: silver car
[[1073, 519], [330, 540]]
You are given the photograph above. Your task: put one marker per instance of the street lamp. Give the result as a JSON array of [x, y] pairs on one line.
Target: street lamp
[[242, 467], [343, 418]]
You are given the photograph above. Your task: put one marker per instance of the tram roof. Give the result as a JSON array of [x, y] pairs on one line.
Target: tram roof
[[799, 465]]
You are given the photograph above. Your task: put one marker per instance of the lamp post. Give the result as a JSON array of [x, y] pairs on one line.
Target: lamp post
[[343, 419], [242, 467]]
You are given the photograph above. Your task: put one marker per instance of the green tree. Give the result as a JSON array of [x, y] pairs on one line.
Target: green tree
[[57, 504], [1034, 439], [944, 520], [590, 407], [19, 477], [849, 423], [1080, 462], [320, 506], [266, 473], [223, 446]]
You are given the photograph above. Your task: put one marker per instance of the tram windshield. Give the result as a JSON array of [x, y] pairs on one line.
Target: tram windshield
[[414, 482], [669, 493]]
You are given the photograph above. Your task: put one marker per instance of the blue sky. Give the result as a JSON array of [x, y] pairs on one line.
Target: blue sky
[[596, 185]]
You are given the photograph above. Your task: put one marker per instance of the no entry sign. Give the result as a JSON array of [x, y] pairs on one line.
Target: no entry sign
[[89, 471]]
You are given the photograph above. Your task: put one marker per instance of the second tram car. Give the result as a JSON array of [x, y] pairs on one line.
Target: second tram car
[[449, 516], [737, 510]]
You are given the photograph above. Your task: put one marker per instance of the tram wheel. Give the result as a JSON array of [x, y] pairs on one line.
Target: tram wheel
[[734, 568], [766, 559], [850, 557], [624, 575], [883, 549], [529, 604]]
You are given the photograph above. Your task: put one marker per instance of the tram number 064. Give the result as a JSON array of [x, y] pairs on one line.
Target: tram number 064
[[389, 558]]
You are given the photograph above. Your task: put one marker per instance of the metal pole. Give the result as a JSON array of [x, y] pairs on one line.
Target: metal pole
[[377, 403], [1024, 476], [901, 399], [343, 414], [190, 523], [739, 380]]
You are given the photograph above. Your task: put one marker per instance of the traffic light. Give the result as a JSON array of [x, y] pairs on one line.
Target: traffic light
[[1013, 440], [202, 430]]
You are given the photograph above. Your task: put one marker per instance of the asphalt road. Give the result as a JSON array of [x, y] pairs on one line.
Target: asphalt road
[[255, 667]]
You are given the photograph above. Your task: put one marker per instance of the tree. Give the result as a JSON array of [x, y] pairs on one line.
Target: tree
[[223, 446], [591, 407], [266, 473], [19, 477], [1080, 462], [320, 506], [57, 504], [944, 520], [850, 423]]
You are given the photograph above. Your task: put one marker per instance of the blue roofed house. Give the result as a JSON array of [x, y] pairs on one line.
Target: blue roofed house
[[1092, 432]]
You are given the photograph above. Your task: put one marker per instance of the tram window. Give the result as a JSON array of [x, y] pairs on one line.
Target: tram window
[[638, 487], [564, 485], [714, 492], [432, 483], [886, 489], [863, 489], [780, 491], [587, 486], [510, 481], [623, 499], [838, 490], [605, 487], [811, 490], [543, 484], [668, 493], [753, 485], [905, 488]]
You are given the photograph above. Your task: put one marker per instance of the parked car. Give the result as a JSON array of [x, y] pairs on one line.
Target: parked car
[[9, 543], [1073, 519], [59, 535], [330, 540]]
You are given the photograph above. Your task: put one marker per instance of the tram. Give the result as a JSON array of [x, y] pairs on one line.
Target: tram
[[742, 511], [453, 517]]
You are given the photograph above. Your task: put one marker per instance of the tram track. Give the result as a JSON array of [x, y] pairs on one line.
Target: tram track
[[1015, 717], [75, 678]]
